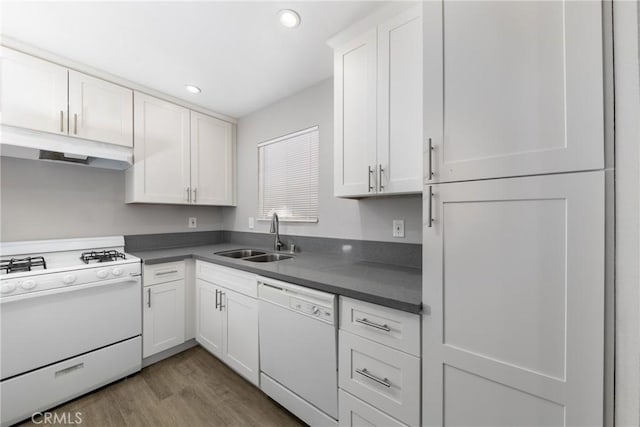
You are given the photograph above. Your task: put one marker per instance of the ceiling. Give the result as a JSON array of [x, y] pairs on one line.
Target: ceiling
[[237, 52]]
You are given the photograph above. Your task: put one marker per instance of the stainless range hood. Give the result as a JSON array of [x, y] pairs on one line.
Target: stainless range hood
[[36, 145]]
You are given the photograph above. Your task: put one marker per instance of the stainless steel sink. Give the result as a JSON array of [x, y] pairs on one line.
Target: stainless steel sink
[[240, 253], [268, 258]]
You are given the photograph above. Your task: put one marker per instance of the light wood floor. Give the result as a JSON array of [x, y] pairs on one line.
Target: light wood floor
[[192, 388]]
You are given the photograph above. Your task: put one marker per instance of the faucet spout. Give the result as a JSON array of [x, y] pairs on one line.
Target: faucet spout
[[275, 229]]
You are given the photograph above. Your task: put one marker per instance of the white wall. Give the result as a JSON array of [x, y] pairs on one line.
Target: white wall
[[627, 112], [42, 200], [366, 219]]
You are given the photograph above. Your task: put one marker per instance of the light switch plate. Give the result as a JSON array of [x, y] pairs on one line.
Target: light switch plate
[[193, 222], [251, 223], [398, 228]]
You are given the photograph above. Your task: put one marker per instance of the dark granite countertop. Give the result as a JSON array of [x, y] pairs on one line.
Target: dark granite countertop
[[384, 284]]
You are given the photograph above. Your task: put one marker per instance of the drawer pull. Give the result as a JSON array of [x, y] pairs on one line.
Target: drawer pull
[[385, 382], [162, 273], [364, 321], [68, 370]]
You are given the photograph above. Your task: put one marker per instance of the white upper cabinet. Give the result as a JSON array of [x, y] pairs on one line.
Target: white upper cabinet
[[160, 173], [43, 96], [100, 110], [512, 88], [180, 156], [355, 116], [212, 153], [34, 93], [400, 103], [378, 109]]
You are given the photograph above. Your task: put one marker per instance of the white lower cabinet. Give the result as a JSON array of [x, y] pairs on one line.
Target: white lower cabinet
[[162, 317], [240, 334], [208, 317], [379, 365], [226, 319], [386, 378], [163, 307], [355, 413]]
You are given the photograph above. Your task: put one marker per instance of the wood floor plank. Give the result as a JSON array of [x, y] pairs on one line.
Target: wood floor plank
[[192, 388]]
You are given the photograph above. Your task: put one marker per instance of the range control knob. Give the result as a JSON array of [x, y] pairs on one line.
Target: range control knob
[[28, 284], [315, 310], [117, 271], [7, 288], [69, 279], [102, 274]]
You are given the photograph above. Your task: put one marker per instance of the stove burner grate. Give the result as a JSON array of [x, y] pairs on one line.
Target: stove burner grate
[[16, 265], [101, 256]]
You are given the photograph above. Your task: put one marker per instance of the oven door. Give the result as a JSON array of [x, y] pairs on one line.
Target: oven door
[[45, 327]]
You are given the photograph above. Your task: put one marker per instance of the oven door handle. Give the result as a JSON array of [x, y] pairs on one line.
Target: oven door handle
[[67, 289]]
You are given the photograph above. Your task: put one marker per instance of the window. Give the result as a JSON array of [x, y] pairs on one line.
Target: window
[[288, 176]]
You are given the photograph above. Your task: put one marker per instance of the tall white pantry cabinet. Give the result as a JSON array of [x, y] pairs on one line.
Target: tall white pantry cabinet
[[513, 267]]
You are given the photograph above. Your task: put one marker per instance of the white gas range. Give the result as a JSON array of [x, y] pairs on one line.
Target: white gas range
[[70, 320]]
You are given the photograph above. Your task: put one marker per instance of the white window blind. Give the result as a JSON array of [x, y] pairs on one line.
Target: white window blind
[[288, 176]]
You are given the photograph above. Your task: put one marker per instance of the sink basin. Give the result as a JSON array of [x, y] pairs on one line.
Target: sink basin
[[240, 253], [268, 258]]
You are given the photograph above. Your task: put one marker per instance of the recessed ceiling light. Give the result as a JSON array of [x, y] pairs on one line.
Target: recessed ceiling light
[[289, 18], [193, 89]]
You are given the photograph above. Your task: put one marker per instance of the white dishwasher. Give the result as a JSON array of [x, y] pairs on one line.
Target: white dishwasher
[[298, 350]]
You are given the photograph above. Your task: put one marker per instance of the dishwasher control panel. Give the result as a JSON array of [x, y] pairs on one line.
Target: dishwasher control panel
[[311, 309], [313, 303]]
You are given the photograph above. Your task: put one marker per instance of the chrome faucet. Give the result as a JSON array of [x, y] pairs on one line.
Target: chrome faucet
[[275, 228]]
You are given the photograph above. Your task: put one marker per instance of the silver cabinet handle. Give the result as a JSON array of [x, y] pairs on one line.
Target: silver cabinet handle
[[430, 213], [222, 294], [364, 321], [187, 195], [194, 194], [217, 304], [430, 159], [61, 121], [380, 182], [384, 381], [370, 186], [149, 297], [162, 273], [75, 124]]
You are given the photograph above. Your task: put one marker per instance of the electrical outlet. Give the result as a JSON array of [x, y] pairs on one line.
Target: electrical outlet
[[398, 228], [251, 223], [193, 222]]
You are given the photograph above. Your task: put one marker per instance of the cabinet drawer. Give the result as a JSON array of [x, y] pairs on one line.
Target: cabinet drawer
[[386, 378], [354, 412], [395, 328], [161, 273], [230, 278]]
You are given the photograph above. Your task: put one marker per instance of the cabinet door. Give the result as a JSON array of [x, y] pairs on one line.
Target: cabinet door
[[212, 165], [34, 93], [241, 334], [355, 116], [399, 165], [163, 317], [100, 110], [209, 317], [161, 171], [520, 91], [513, 289]]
